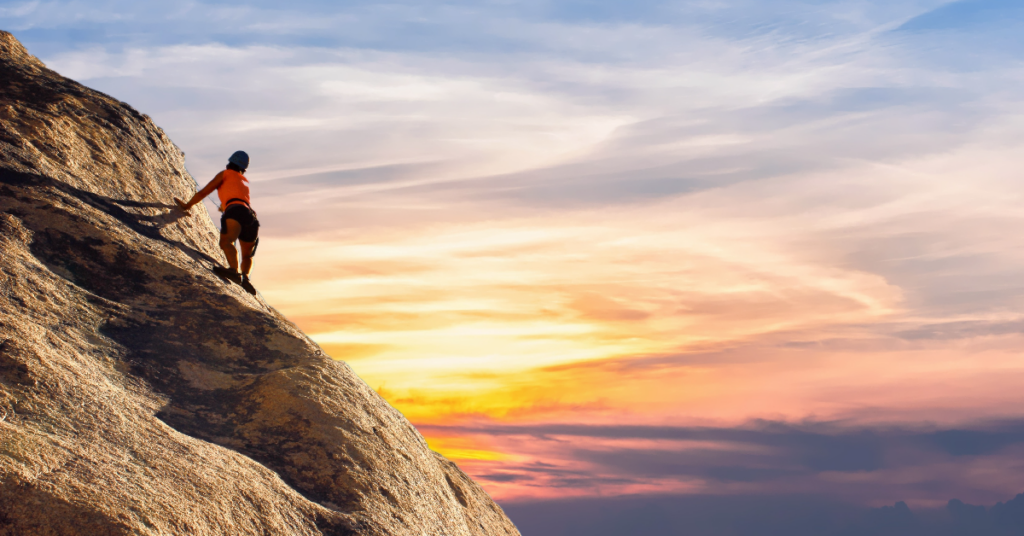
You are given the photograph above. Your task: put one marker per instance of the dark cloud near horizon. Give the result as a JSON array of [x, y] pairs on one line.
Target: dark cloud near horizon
[[764, 454], [759, 515], [761, 432]]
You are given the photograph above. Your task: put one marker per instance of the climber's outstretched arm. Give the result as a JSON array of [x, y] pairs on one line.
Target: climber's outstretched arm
[[201, 194]]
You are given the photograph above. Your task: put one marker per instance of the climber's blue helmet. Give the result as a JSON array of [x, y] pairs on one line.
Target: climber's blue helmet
[[240, 159]]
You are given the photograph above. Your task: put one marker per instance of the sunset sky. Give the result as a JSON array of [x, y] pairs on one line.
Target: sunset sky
[[597, 248]]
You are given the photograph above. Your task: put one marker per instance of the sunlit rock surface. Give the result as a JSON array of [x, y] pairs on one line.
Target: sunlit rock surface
[[140, 394]]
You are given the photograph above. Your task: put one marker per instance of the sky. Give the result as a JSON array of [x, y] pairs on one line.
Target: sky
[[626, 251]]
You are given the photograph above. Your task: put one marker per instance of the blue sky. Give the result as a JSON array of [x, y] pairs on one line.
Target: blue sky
[[632, 66], [826, 192]]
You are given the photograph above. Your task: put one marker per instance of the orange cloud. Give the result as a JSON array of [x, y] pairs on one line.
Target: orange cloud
[[688, 310]]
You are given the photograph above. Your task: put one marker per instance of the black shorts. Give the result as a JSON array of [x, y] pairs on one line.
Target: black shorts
[[243, 215]]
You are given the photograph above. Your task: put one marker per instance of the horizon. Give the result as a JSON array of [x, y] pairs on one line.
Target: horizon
[[597, 251]]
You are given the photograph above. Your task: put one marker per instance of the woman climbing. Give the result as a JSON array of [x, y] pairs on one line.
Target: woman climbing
[[238, 221]]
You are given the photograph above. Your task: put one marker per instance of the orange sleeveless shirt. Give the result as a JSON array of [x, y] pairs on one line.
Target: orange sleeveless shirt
[[234, 186]]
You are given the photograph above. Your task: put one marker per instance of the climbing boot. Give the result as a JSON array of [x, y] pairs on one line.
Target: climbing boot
[[228, 274]]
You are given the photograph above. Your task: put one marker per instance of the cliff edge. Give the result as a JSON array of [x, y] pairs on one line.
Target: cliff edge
[[139, 394]]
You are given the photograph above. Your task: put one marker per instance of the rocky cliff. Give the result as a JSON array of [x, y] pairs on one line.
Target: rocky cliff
[[140, 394]]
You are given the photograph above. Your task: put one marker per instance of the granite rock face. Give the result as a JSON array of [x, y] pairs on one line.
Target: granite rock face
[[139, 393]]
